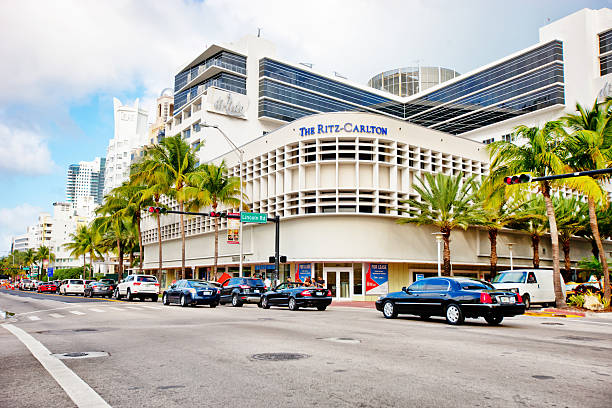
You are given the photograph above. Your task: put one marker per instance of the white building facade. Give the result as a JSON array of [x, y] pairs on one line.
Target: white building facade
[[335, 159], [130, 133]]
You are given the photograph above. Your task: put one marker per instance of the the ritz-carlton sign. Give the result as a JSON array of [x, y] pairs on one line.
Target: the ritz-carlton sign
[[346, 128]]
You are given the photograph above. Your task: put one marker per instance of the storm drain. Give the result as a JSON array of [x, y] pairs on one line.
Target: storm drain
[[278, 356], [75, 355], [552, 324], [346, 340]]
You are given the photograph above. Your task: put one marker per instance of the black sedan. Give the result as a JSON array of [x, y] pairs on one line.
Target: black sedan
[[453, 298], [98, 289], [296, 295], [239, 291], [191, 292]]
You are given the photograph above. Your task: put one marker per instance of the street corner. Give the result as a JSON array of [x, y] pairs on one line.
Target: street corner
[[552, 312]]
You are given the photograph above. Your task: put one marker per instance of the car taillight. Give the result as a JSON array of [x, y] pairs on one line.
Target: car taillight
[[305, 293], [157, 284], [329, 293], [485, 298], [244, 286], [67, 286], [519, 298], [136, 283]]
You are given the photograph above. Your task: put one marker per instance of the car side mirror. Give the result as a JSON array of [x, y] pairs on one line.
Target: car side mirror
[[172, 286], [405, 289]]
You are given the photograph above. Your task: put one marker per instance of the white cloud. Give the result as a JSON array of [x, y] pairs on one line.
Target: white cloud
[[24, 151], [14, 221]]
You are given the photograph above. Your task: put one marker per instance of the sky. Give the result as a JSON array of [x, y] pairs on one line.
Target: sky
[[63, 61]]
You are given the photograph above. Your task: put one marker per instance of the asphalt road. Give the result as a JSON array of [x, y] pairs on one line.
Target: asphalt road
[[166, 356]]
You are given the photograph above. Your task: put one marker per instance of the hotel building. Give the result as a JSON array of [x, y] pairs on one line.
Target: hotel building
[[334, 159]]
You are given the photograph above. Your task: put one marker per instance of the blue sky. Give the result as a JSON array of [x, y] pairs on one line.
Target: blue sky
[[69, 58]]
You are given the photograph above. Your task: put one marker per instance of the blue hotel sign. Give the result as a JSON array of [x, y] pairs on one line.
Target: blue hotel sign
[[346, 128]]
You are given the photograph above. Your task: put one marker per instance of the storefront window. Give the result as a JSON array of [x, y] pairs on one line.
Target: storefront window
[[357, 279], [234, 271]]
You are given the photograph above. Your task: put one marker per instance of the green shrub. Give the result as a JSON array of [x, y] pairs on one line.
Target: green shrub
[[576, 300], [99, 276]]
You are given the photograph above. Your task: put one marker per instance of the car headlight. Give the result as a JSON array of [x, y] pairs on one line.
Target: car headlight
[[193, 291], [380, 297]]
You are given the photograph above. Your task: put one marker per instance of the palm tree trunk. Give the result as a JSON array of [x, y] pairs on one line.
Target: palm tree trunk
[[131, 258], [594, 248], [84, 272], [493, 240], [554, 239], [446, 271], [159, 244], [602, 254], [139, 240], [182, 242], [565, 244], [120, 263], [535, 244], [91, 259]]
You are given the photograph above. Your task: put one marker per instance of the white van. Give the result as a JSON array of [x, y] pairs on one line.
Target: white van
[[534, 285]]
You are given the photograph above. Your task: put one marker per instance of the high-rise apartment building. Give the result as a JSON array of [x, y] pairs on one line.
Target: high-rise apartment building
[[86, 179], [130, 133]]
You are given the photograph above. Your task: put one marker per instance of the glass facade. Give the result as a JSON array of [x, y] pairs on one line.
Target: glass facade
[[411, 80], [222, 80], [605, 52], [223, 59], [528, 82]]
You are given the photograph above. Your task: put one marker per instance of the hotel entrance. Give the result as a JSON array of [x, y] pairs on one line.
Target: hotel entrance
[[338, 280]]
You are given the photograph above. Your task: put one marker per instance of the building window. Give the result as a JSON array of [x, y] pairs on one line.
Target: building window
[[507, 137], [605, 52], [488, 141]]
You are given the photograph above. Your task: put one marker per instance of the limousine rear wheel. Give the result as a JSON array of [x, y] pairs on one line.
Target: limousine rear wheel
[[454, 315], [494, 320], [389, 310]]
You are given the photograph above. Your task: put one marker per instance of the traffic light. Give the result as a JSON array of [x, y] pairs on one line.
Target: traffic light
[[518, 179], [218, 214], [281, 259], [157, 210]]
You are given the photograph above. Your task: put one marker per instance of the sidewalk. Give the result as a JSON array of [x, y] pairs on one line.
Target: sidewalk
[[355, 303]]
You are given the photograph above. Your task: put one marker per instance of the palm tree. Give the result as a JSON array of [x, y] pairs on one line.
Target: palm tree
[[169, 164], [540, 155], [29, 257], [445, 201], [500, 211], [76, 246], [590, 148], [212, 186], [571, 216], [42, 254], [86, 241]]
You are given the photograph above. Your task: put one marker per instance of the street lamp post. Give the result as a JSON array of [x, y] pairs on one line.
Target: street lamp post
[[510, 244], [438, 236], [240, 157]]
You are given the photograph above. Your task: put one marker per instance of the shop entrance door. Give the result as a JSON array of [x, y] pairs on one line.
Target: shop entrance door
[[339, 281]]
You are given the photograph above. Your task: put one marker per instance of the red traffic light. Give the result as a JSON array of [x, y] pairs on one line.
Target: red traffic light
[[157, 210], [521, 178]]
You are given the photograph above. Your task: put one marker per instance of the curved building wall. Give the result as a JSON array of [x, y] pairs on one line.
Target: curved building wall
[[411, 80]]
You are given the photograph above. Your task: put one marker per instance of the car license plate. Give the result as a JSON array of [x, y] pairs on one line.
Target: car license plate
[[256, 291], [319, 293], [506, 299], [207, 293]]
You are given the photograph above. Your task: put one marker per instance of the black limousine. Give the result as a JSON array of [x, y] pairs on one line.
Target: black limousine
[[453, 298]]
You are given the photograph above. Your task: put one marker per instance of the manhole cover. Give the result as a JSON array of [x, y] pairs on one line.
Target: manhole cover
[[346, 340], [552, 324], [279, 356], [79, 354]]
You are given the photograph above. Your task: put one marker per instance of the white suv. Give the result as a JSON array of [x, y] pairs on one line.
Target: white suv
[[72, 286], [138, 286]]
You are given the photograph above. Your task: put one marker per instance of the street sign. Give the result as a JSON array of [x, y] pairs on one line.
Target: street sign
[[26, 268], [258, 218], [50, 272]]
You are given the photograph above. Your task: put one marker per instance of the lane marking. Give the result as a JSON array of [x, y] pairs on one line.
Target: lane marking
[[77, 389], [44, 310], [153, 307], [133, 307], [76, 312], [116, 308], [34, 317], [98, 310], [56, 315]]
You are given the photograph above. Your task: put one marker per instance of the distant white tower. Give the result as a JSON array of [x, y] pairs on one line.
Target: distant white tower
[[130, 133]]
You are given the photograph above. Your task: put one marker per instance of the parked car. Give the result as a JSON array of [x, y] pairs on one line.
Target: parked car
[[98, 289], [191, 292], [47, 287], [239, 291], [23, 284], [453, 298], [585, 287], [110, 282], [534, 285], [138, 286], [296, 295], [72, 287]]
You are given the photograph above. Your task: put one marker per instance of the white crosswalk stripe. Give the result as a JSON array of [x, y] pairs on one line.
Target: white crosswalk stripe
[[133, 307], [98, 310], [153, 307], [116, 309], [56, 315], [76, 312], [33, 317]]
